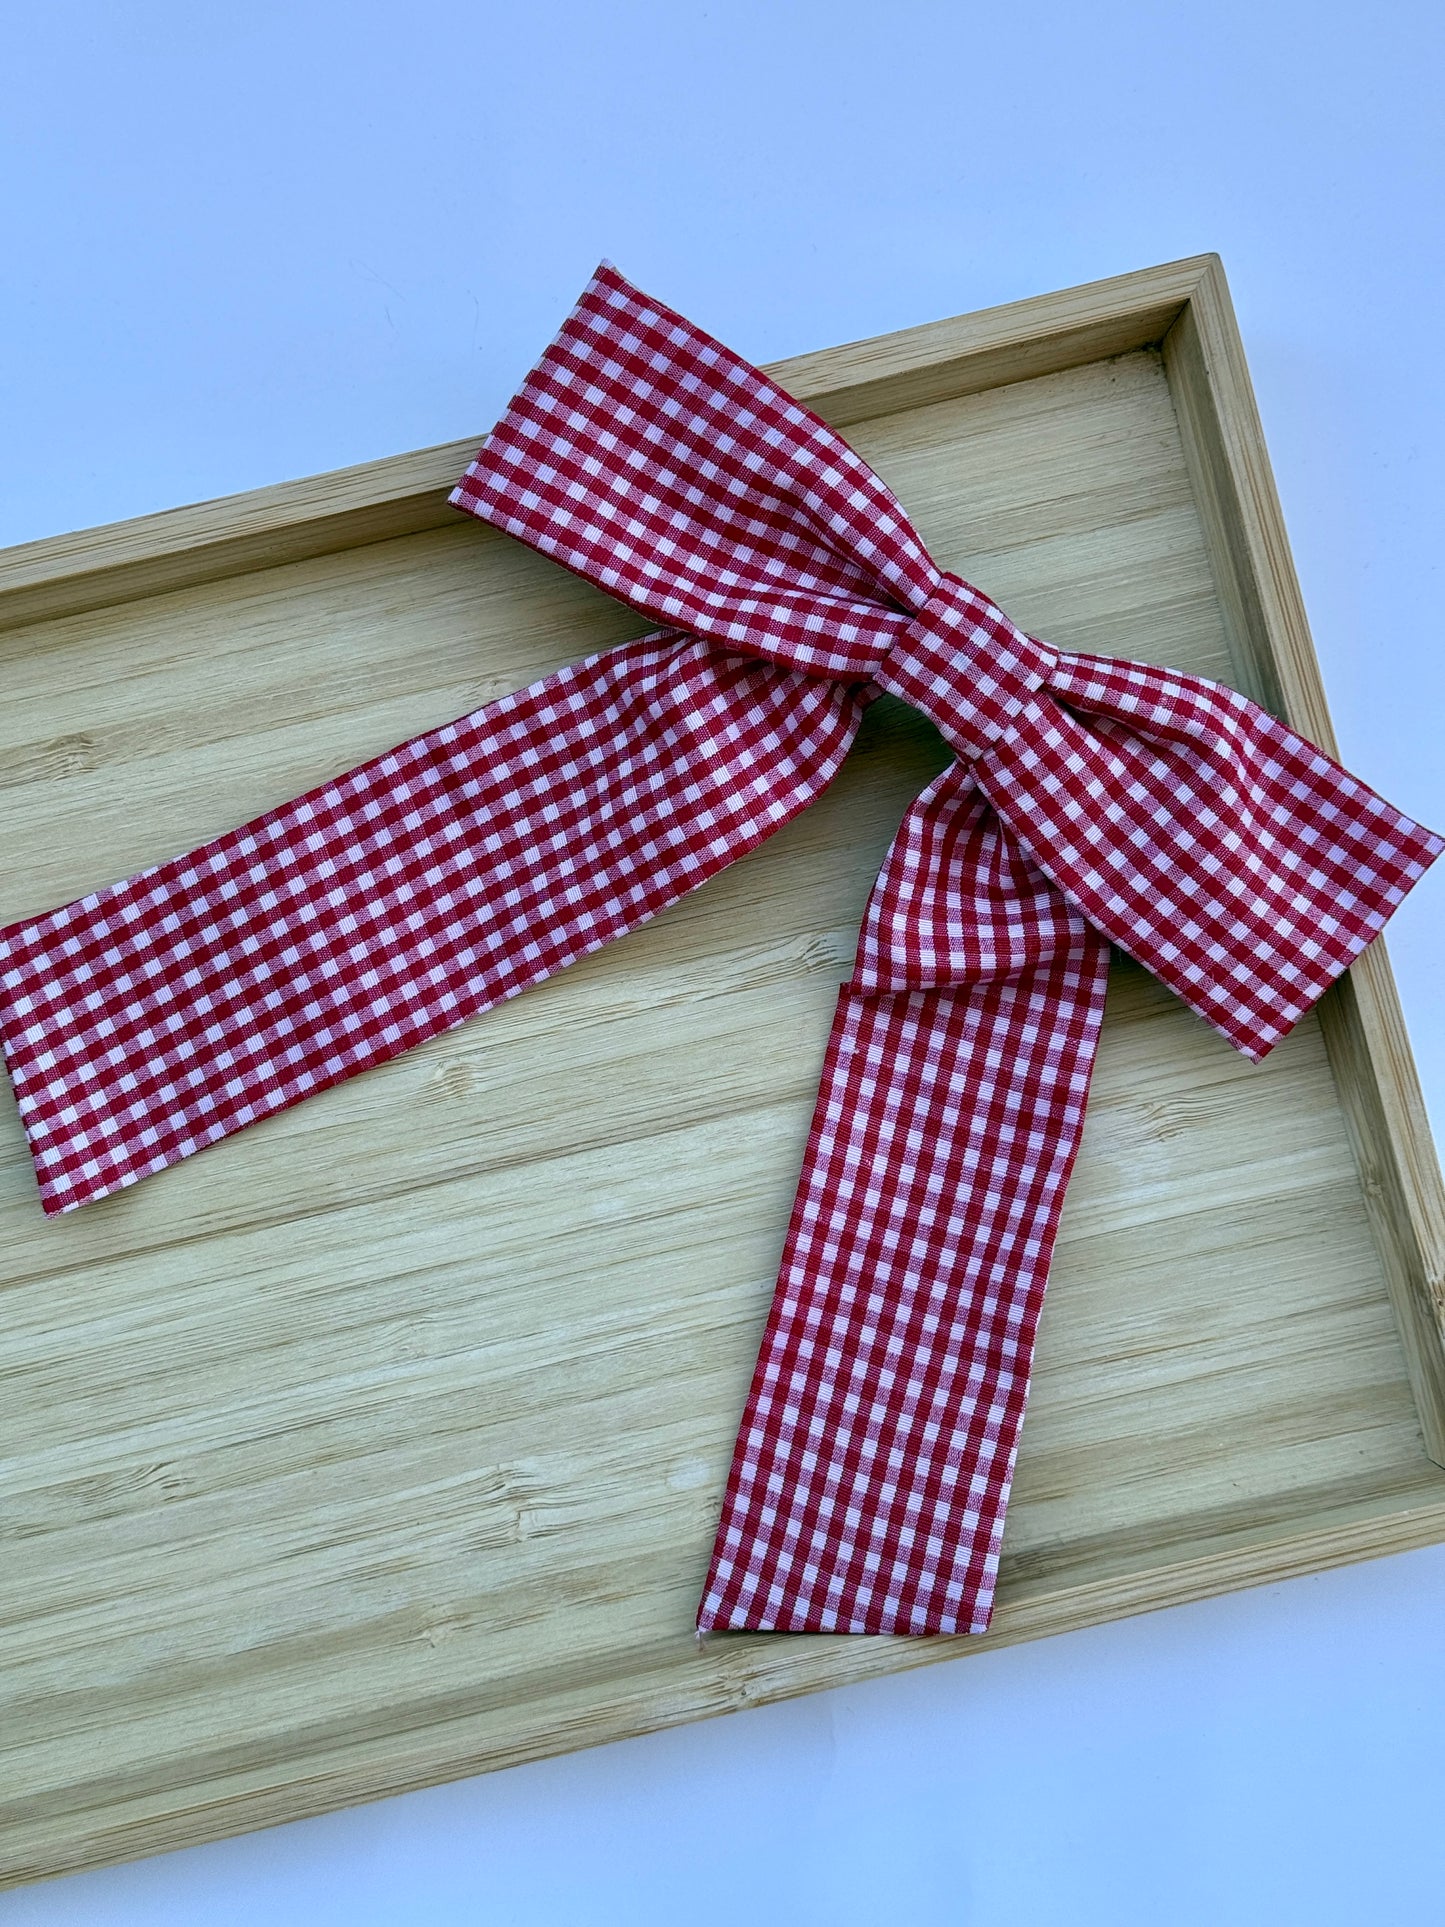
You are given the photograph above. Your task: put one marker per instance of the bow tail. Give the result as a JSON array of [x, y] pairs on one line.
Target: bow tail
[[1232, 858], [1170, 815], [147, 1021], [872, 1469]]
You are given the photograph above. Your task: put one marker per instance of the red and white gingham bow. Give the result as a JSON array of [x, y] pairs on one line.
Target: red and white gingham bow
[[1091, 801]]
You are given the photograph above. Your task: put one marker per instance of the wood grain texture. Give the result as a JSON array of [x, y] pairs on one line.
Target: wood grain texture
[[384, 1442], [1274, 660]]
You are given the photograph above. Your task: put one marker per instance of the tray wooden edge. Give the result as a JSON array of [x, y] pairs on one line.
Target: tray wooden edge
[[755, 1671], [1275, 661], [401, 494]]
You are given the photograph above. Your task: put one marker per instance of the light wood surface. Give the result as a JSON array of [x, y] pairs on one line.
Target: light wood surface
[[384, 1442]]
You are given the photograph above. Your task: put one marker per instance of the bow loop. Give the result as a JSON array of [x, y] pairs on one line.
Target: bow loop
[[965, 666], [1241, 865]]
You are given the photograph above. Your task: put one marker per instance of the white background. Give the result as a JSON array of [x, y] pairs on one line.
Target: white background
[[244, 243]]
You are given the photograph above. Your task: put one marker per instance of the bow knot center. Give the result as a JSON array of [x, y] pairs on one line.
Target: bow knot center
[[965, 666]]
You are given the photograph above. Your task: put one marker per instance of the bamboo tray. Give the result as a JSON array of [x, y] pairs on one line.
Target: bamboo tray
[[384, 1442]]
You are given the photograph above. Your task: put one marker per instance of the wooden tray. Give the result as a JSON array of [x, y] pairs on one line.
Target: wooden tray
[[384, 1442]]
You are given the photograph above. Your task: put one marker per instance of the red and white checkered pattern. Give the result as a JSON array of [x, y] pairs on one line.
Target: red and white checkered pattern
[[872, 1469], [1092, 800], [147, 1021]]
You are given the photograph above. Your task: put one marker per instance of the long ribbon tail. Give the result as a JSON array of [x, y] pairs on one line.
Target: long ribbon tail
[[150, 1019], [872, 1468]]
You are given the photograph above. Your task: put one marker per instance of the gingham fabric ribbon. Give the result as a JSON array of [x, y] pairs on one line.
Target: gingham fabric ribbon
[[1092, 801]]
